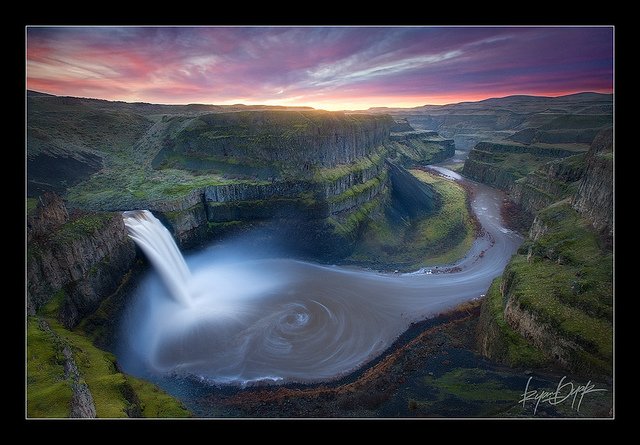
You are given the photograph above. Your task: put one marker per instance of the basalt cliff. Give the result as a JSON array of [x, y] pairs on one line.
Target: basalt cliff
[[306, 177]]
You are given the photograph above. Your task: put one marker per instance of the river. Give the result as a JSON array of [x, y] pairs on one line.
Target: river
[[282, 320]]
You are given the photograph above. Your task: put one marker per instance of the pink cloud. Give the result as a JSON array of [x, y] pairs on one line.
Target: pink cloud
[[332, 66]]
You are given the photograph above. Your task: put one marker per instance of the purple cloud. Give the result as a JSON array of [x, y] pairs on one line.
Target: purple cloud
[[330, 67]]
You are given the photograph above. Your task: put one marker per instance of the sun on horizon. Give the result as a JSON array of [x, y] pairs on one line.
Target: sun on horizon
[[332, 68]]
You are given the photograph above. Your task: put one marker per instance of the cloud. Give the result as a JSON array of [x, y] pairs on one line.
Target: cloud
[[332, 65]]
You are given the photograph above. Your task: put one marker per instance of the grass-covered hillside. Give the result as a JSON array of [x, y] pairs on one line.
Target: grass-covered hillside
[[105, 155], [208, 170], [554, 302], [392, 241], [555, 299], [67, 376]]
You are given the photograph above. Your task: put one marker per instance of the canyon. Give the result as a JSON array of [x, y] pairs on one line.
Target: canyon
[[318, 184]]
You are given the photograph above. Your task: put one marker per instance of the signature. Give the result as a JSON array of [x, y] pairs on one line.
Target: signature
[[564, 391]]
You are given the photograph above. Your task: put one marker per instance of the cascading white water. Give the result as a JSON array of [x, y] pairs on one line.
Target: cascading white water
[[158, 244], [281, 320]]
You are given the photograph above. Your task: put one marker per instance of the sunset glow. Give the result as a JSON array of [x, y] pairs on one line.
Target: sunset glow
[[323, 67]]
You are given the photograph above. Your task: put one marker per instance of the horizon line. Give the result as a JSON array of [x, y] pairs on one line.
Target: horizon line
[[548, 96]]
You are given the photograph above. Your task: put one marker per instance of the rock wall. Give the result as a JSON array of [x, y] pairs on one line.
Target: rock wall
[[416, 198], [487, 173], [303, 209], [552, 182], [556, 294], [413, 148], [555, 298], [400, 125], [503, 147], [594, 198], [82, 257], [501, 164], [511, 333], [541, 334], [497, 339], [303, 137]]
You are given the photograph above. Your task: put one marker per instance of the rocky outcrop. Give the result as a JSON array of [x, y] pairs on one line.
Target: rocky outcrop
[[357, 195], [81, 259], [552, 182], [554, 299], [594, 198], [208, 212], [497, 339], [252, 192], [557, 136], [501, 164], [488, 173], [82, 405], [541, 335], [538, 229], [557, 292], [415, 148], [303, 137], [568, 119], [537, 150], [413, 197], [47, 216], [414, 134], [400, 125]]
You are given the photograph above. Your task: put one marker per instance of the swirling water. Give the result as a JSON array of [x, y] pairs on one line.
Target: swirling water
[[281, 320]]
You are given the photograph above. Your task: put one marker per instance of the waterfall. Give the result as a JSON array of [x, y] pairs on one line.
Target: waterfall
[[160, 248]]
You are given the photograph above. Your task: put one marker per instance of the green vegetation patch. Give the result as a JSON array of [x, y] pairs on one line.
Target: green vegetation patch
[[441, 238], [349, 225], [110, 388], [52, 308], [544, 288], [133, 187], [114, 394], [502, 164], [565, 279], [473, 384], [32, 203], [359, 189], [154, 402], [415, 151], [81, 227], [98, 369], [509, 347], [201, 163], [516, 164], [342, 170], [48, 392]]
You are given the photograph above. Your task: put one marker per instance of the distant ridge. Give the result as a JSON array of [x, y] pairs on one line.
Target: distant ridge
[[33, 93], [194, 107], [519, 103], [507, 101]]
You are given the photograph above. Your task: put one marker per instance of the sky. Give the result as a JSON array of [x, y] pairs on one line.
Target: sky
[[333, 68]]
